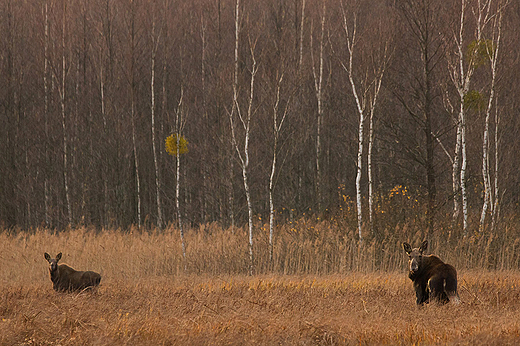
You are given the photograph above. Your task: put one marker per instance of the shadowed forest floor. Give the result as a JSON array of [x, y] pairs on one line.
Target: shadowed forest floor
[[353, 309]]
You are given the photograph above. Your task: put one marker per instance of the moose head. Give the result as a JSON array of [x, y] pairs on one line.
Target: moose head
[[415, 256]]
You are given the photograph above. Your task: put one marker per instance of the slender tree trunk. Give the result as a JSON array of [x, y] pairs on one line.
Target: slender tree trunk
[[370, 177], [495, 215], [177, 201], [456, 181], [302, 23], [245, 120], [204, 169], [318, 81], [178, 130], [104, 171], [360, 104], [461, 79], [245, 164], [277, 125], [231, 192], [46, 115], [155, 43], [369, 97], [63, 119], [133, 115], [462, 120], [492, 52]]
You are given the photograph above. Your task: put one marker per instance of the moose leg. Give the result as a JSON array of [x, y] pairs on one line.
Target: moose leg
[[421, 293], [437, 290], [451, 290]]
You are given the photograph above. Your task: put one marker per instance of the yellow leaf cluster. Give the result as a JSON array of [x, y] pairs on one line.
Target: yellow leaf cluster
[[171, 145]]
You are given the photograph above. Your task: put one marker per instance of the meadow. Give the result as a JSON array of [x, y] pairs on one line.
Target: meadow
[[320, 289]]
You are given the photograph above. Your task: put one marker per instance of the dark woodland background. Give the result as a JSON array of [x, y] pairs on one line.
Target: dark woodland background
[[76, 111]]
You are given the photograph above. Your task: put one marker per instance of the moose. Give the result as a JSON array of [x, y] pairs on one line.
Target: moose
[[66, 279], [433, 280]]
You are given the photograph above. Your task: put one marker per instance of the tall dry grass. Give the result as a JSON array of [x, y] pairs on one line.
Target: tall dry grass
[[354, 309], [321, 289], [301, 247]]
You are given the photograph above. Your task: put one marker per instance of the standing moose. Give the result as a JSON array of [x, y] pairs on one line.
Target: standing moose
[[66, 279], [432, 279]]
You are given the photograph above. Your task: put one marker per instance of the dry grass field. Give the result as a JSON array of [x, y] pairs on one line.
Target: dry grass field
[[340, 297]]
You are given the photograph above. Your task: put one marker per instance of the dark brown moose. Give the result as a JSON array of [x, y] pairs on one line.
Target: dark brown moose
[[66, 279], [433, 280]]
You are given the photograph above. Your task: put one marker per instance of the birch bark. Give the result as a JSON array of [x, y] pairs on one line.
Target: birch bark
[[277, 126], [179, 124], [155, 44], [368, 96], [245, 121], [318, 85], [132, 112], [492, 52]]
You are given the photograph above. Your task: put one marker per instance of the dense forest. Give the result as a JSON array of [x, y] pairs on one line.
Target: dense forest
[[384, 109]]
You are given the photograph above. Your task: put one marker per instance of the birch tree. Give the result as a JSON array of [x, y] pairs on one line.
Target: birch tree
[[491, 52], [365, 94], [176, 145], [155, 44], [278, 122], [461, 78], [241, 144], [462, 68]]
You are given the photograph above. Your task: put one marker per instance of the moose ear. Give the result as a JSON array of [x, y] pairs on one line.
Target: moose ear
[[58, 256], [47, 257], [424, 246], [407, 248]]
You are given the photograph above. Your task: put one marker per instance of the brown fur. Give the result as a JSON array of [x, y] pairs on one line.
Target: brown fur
[[433, 280], [66, 279]]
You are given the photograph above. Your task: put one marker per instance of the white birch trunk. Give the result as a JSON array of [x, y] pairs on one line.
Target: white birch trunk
[[245, 120], [277, 126], [178, 131], [370, 177], [132, 115], [360, 104], [245, 163], [462, 120], [369, 95], [496, 206], [136, 161], [456, 172], [155, 42], [461, 79], [302, 23], [493, 55]]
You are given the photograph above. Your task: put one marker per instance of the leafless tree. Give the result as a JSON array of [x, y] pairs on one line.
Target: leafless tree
[[244, 119], [365, 93]]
